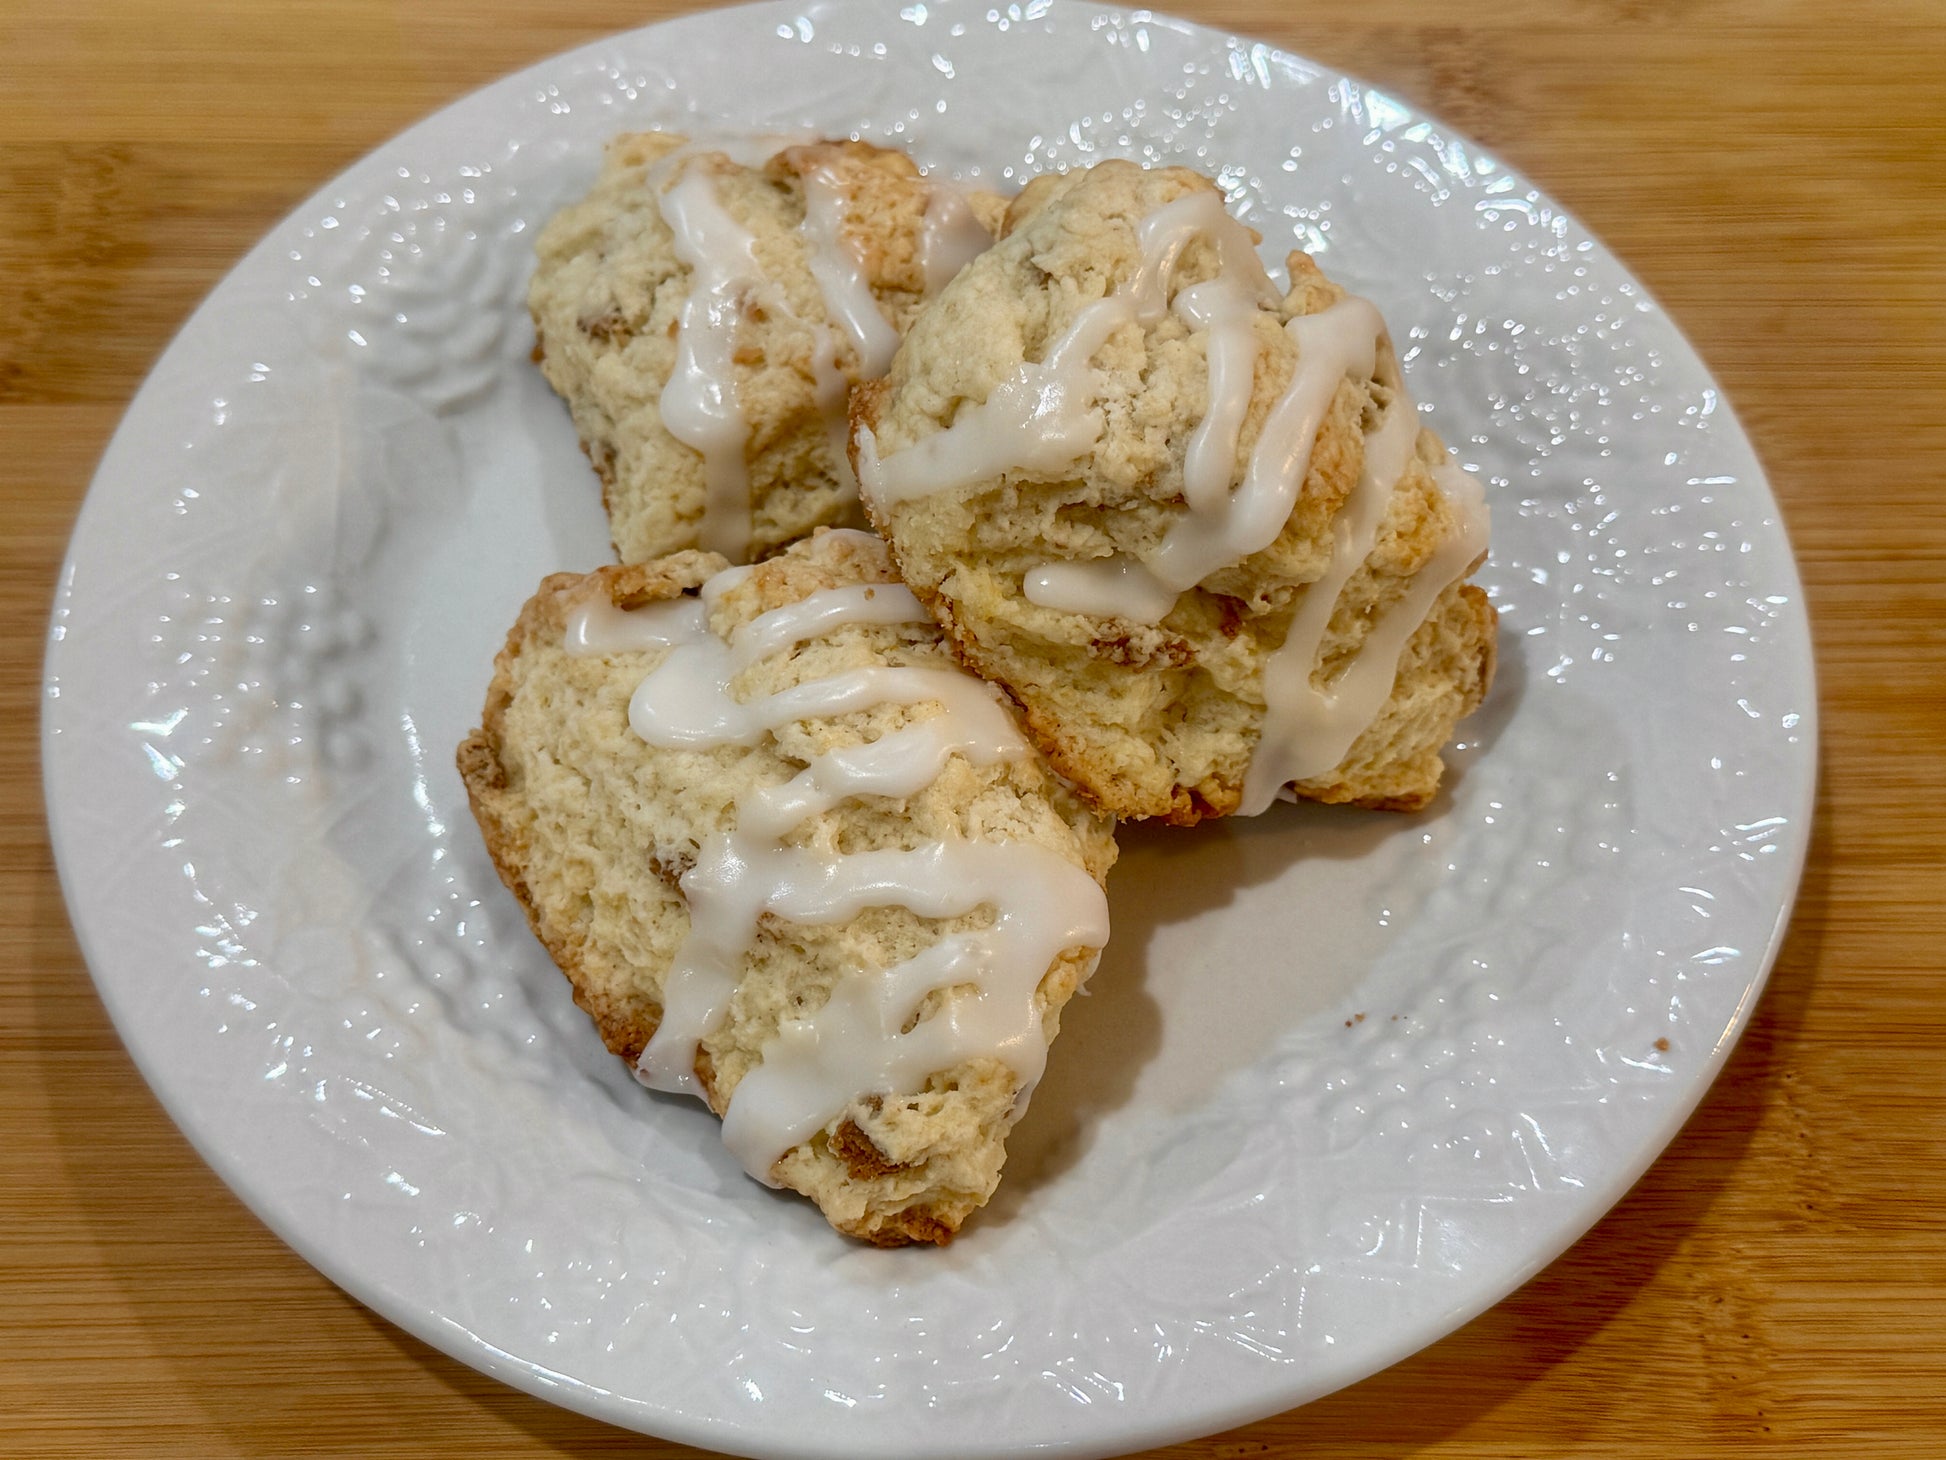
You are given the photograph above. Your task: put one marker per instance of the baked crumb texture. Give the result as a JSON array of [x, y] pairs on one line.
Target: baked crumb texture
[[1160, 720], [592, 828], [607, 298]]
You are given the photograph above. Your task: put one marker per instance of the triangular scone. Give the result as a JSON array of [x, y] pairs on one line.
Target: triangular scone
[[705, 309], [794, 858], [1201, 594]]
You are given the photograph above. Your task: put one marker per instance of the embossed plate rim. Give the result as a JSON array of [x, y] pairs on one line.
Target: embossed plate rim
[[1080, 1429]]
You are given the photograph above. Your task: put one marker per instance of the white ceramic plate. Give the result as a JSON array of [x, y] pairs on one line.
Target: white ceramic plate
[[1345, 1079]]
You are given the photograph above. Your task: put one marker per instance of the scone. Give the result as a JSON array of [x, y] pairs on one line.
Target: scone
[[1189, 521], [706, 308], [795, 861]]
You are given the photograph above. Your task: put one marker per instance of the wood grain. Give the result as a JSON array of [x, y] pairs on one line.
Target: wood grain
[[1775, 1285]]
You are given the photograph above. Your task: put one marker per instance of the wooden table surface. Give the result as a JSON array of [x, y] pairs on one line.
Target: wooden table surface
[[1775, 1284]]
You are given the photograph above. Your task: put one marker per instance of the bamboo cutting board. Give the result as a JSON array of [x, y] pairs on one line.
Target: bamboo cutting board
[[1777, 1282]]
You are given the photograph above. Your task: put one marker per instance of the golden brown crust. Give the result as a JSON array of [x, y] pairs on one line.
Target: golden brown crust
[[1099, 786], [912, 1227], [1488, 619]]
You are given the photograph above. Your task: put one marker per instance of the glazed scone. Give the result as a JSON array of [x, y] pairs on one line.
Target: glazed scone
[[704, 315], [1188, 520], [777, 840]]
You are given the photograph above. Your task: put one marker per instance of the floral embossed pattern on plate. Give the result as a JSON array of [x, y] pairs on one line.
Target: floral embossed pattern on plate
[[1345, 1078]]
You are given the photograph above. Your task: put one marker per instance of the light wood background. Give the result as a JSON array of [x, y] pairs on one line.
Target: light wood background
[[1776, 1284]]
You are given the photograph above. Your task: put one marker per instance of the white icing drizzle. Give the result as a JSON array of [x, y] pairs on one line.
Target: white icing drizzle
[[857, 1043], [598, 627], [950, 237], [1309, 728], [1170, 229], [861, 603], [1117, 587], [1044, 417], [1331, 344], [686, 701], [699, 403], [1040, 419], [831, 390], [1228, 314], [848, 298]]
